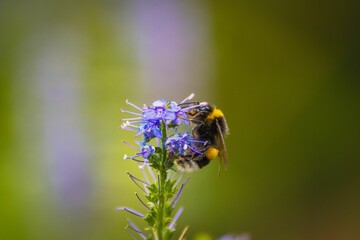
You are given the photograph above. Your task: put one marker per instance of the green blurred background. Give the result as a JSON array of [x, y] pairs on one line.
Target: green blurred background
[[285, 73]]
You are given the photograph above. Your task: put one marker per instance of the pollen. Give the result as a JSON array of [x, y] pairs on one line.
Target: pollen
[[211, 153], [216, 113]]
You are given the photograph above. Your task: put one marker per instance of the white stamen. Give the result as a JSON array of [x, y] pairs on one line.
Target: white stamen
[[129, 119], [130, 124], [135, 122], [129, 129], [133, 105], [188, 98], [138, 134], [124, 125], [134, 113]]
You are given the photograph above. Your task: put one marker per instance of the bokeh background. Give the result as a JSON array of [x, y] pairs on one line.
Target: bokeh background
[[285, 73]]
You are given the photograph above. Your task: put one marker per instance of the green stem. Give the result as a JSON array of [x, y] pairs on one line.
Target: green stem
[[162, 179]]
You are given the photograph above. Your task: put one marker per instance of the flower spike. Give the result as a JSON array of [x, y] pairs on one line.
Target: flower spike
[[159, 143]]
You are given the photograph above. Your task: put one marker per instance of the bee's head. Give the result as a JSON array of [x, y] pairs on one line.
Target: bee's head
[[201, 112]]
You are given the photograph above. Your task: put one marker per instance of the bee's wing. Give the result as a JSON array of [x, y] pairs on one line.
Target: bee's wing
[[222, 147]]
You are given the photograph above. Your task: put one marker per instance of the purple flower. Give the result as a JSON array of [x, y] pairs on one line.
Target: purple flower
[[147, 151], [149, 130], [148, 121], [180, 142]]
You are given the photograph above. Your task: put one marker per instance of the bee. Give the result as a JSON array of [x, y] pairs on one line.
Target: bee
[[210, 127]]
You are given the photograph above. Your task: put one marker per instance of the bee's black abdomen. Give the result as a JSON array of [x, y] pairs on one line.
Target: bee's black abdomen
[[202, 161], [190, 163]]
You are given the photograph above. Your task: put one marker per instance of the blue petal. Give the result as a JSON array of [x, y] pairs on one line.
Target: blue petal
[[160, 103], [168, 115], [157, 132], [149, 115], [147, 151], [173, 106]]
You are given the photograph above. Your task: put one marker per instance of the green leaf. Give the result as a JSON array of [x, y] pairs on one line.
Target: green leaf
[[150, 217]]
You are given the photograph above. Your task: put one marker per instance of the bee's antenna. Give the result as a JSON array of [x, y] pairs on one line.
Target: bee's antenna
[[187, 104]]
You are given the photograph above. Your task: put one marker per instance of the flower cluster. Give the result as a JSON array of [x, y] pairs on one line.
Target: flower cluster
[[179, 143], [150, 118], [159, 122], [149, 121]]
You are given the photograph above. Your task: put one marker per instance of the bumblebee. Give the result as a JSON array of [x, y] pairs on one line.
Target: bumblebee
[[210, 127]]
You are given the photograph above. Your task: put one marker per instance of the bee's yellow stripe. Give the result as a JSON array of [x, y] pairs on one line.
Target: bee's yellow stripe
[[216, 113], [211, 153]]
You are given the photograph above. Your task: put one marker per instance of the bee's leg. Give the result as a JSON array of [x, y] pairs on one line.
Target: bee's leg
[[195, 121]]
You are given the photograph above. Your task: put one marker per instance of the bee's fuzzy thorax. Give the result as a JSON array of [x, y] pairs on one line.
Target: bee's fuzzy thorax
[[216, 113]]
